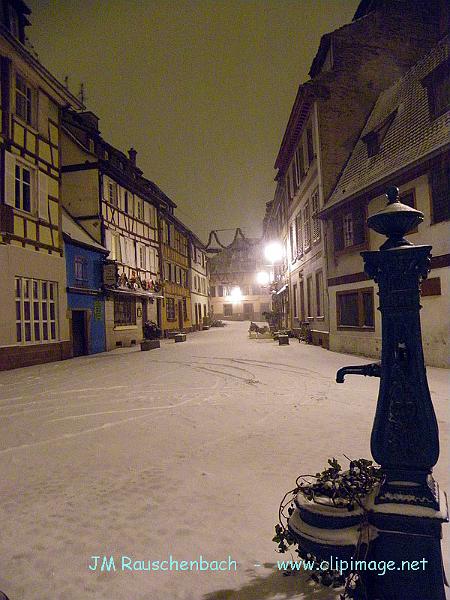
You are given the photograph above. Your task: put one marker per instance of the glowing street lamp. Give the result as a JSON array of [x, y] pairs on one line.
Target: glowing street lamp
[[274, 252]]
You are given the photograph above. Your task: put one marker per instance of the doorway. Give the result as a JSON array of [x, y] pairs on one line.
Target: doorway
[[79, 337], [248, 312]]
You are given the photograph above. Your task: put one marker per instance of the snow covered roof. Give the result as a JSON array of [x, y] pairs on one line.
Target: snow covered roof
[[411, 135], [73, 232]]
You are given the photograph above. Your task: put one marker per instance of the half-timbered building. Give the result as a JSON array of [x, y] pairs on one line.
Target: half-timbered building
[[106, 192], [33, 324]]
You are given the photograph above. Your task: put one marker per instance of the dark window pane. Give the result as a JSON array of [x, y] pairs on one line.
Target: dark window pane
[[53, 330], [44, 290], [45, 331], [18, 332], [52, 311], [36, 311], [26, 288], [35, 289], [18, 317], [368, 309], [17, 194], [348, 310], [36, 332], [18, 288], [26, 308], [27, 332], [44, 311]]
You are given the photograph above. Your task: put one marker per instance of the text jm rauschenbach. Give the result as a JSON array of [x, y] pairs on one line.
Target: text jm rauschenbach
[[127, 563]]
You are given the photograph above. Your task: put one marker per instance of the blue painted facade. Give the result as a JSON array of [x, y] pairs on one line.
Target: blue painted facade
[[84, 268]]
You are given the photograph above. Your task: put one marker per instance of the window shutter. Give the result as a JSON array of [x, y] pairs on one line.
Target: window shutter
[[108, 240], [358, 226], [338, 233], [440, 191], [123, 250], [43, 196], [10, 165]]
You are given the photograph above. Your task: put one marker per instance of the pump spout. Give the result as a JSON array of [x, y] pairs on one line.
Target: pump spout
[[372, 370]]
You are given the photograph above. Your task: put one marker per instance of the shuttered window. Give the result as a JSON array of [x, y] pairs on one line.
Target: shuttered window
[[349, 228]]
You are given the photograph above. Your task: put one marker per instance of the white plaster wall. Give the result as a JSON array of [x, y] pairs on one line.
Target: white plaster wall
[[22, 262]]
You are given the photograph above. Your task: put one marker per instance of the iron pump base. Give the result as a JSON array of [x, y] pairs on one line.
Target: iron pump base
[[406, 513]]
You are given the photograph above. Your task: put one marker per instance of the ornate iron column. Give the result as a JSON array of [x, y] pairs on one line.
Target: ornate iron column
[[406, 513]]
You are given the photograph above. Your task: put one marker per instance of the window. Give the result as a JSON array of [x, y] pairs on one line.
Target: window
[[306, 228], [349, 228], [355, 309], [292, 241], [439, 178], [310, 145], [36, 310], [299, 164], [299, 228], [437, 84], [294, 300], [213, 291], [23, 192], [116, 252], [14, 23], [142, 263], [124, 311], [227, 310], [315, 216], [185, 313], [374, 138], [319, 294], [309, 293], [24, 100], [170, 309], [125, 202], [112, 193], [220, 291], [80, 270], [264, 307], [140, 209]]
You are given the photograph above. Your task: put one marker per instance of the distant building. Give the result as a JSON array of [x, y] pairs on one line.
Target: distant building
[[85, 297], [405, 142], [199, 282], [352, 66], [177, 313], [33, 300], [236, 294], [105, 191]]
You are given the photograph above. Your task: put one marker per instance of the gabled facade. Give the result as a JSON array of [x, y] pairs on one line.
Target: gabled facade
[[177, 312], [33, 325], [236, 294], [329, 112], [105, 191], [199, 282], [405, 143]]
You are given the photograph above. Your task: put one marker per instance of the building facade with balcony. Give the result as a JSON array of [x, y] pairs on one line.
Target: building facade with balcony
[[33, 323], [106, 193], [405, 143]]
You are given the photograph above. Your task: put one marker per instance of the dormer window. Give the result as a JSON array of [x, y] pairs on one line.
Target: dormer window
[[437, 84], [374, 138], [14, 23]]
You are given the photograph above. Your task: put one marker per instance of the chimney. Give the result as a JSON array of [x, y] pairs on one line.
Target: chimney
[[132, 154]]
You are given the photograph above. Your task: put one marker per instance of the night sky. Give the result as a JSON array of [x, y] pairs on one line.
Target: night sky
[[201, 89]]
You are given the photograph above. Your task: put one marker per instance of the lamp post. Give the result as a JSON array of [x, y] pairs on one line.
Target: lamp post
[[407, 513]]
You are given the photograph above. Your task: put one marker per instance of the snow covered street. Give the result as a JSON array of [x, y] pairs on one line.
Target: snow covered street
[[183, 451]]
